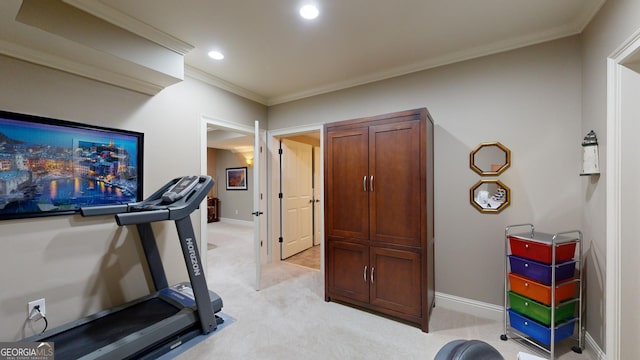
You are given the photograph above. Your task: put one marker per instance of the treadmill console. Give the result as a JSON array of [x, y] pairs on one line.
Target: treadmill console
[[180, 189], [175, 200]]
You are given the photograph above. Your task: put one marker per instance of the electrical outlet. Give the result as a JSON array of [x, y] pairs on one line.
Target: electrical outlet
[[32, 313]]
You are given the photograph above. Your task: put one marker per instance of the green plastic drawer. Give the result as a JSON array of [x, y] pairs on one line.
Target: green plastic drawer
[[540, 312]]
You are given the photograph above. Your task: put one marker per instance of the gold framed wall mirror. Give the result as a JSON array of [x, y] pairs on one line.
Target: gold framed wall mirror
[[490, 159], [490, 196]]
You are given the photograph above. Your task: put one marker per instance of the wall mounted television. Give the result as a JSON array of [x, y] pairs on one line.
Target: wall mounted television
[[53, 167]]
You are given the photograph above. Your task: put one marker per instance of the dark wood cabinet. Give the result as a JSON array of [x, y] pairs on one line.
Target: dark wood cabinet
[[347, 170], [213, 209], [395, 280], [379, 214], [349, 270]]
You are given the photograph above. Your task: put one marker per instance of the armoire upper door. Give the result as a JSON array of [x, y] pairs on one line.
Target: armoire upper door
[[347, 183], [396, 183]]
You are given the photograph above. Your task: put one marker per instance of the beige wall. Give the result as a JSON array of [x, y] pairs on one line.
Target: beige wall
[[530, 101], [234, 200], [614, 24], [82, 265]]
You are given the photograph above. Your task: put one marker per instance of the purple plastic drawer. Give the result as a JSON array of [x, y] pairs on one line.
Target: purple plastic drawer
[[541, 272]]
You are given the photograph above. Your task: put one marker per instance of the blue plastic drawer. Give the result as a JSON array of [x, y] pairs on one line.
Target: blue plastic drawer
[[538, 331], [540, 272]]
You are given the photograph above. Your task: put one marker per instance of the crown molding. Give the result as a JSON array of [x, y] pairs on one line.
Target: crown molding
[[129, 81], [574, 28], [584, 18], [451, 58], [223, 84], [105, 12]]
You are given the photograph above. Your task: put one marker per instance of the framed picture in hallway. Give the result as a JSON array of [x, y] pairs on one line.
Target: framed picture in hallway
[[237, 178]]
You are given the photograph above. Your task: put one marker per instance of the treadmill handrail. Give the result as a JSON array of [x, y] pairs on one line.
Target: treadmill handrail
[[103, 210], [142, 217]]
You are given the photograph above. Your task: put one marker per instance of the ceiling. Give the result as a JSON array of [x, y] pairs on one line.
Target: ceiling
[[229, 140], [273, 56], [273, 53]]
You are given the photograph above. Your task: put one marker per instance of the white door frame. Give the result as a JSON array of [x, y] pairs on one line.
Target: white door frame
[[229, 126], [273, 185], [317, 198], [615, 63]]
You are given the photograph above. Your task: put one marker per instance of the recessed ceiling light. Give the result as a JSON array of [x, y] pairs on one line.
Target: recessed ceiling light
[[216, 55], [309, 12]]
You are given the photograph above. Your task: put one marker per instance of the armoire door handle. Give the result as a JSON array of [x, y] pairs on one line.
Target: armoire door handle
[[372, 270], [371, 185], [364, 183], [364, 274]]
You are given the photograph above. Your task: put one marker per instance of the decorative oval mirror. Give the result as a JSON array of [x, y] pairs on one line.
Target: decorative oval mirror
[[490, 196], [490, 158]]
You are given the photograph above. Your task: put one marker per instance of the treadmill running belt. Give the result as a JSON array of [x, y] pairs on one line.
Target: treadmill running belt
[[84, 339]]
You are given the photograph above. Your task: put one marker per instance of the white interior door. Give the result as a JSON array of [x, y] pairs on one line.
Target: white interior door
[[297, 197], [317, 208], [258, 202]]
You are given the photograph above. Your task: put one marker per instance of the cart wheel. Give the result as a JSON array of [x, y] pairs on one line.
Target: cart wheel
[[503, 337], [577, 349]]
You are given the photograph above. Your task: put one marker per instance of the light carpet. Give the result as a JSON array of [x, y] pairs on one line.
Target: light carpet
[[289, 319]]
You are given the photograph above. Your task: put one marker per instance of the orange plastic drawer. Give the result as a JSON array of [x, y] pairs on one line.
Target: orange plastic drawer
[[539, 247], [540, 292]]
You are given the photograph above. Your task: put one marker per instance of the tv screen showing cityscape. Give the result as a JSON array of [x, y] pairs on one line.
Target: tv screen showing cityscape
[[54, 167]]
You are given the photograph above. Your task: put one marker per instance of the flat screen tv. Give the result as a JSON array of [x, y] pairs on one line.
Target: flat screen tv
[[54, 167]]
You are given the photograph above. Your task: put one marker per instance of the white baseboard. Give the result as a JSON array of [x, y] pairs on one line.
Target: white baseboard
[[592, 347], [469, 306], [496, 312], [236, 221]]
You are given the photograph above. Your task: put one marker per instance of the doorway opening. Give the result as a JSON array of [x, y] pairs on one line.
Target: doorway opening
[[297, 193], [230, 148]]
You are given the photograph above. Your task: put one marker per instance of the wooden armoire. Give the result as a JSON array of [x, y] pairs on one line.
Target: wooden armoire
[[379, 214]]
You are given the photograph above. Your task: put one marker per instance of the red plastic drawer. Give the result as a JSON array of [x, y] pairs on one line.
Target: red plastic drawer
[[541, 251], [540, 292]]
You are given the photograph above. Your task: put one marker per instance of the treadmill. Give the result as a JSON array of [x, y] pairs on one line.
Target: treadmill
[[154, 324]]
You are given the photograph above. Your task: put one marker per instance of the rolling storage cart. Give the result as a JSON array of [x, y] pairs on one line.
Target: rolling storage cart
[[542, 272]]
